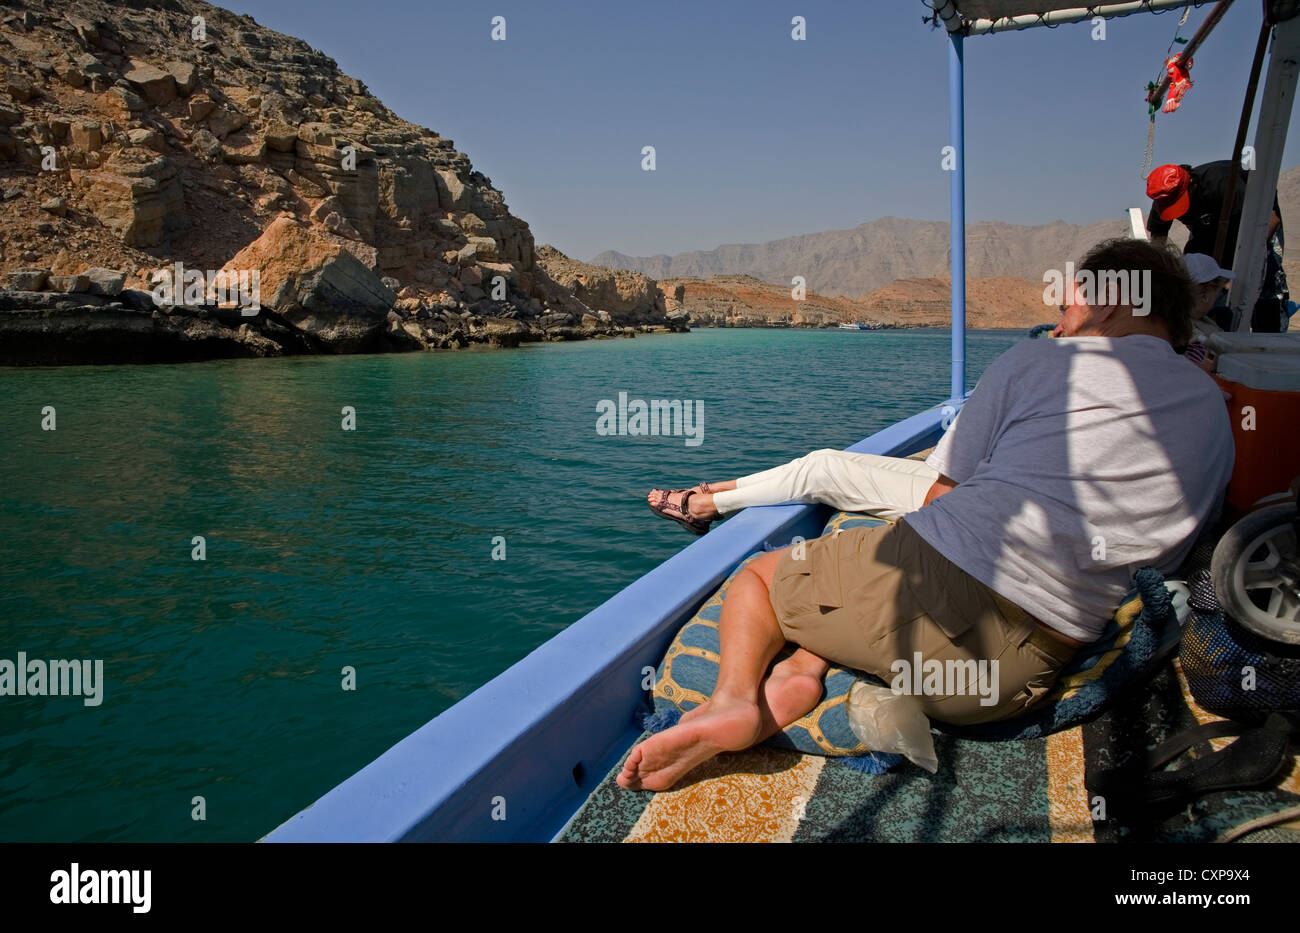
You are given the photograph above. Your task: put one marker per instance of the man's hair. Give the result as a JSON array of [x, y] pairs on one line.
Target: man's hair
[[1172, 289]]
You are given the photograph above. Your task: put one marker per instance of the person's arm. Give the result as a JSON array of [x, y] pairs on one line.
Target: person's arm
[[941, 485], [969, 437], [1157, 229], [1273, 223]]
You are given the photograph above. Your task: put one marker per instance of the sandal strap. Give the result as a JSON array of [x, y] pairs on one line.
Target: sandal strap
[[665, 504]]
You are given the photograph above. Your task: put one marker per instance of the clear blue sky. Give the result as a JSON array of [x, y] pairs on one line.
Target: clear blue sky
[[759, 136]]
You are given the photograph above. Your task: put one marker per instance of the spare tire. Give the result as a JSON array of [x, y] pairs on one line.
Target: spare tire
[[1256, 573]]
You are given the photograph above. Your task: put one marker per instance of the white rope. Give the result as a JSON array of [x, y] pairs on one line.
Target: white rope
[[1148, 156]]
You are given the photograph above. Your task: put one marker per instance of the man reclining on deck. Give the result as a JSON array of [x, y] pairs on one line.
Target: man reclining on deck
[[1073, 463]]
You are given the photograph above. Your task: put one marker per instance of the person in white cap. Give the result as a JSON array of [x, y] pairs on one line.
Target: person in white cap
[[1210, 281]]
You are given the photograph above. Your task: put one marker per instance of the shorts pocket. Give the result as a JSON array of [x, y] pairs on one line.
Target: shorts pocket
[[824, 568], [1038, 671], [952, 622], [791, 595]]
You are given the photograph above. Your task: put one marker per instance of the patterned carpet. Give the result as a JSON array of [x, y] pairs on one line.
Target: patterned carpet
[[1033, 790]]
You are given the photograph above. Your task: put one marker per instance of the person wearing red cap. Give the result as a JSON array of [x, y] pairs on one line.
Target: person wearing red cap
[[1194, 196]]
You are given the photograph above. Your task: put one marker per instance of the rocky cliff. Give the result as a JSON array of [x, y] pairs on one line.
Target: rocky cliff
[[744, 301], [620, 295], [142, 135]]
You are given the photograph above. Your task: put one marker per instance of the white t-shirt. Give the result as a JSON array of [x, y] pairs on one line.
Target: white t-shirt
[[1080, 460]]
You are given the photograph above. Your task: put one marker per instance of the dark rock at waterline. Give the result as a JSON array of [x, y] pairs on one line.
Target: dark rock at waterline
[[21, 300], [555, 320], [53, 328], [111, 333], [505, 332]]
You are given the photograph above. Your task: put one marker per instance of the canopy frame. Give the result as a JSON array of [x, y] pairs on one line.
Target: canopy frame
[[950, 13], [1270, 138]]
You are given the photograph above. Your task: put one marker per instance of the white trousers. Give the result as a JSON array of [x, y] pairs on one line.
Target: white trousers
[[886, 486]]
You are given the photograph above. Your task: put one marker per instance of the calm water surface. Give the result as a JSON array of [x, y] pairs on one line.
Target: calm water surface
[[368, 549]]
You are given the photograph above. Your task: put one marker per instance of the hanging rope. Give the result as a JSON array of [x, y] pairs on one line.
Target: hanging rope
[[1149, 155]]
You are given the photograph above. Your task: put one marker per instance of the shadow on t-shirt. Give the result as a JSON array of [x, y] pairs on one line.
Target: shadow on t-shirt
[[1078, 461]]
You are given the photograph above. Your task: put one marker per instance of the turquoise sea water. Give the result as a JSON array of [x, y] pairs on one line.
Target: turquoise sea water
[[370, 549]]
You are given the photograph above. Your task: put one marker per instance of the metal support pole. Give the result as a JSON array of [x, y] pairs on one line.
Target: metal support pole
[[957, 210], [1261, 186]]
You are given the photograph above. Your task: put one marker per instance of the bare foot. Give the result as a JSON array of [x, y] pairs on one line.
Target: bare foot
[[693, 713], [661, 760], [792, 689], [789, 697], [700, 506]]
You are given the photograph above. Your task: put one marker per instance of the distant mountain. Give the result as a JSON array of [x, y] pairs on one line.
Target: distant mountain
[[1288, 196], [744, 301], [852, 263], [992, 303]]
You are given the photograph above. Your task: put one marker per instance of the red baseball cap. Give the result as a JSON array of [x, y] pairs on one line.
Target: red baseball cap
[[1167, 187]]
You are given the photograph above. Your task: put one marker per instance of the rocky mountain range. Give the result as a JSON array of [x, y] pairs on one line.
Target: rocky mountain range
[[891, 271], [148, 146], [852, 263]]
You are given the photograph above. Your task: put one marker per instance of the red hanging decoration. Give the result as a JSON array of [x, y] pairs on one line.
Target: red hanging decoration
[[1179, 82]]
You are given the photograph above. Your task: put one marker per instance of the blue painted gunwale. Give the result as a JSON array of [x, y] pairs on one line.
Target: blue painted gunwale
[[571, 702]]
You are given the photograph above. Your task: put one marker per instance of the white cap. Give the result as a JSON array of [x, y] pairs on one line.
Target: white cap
[[1203, 268]]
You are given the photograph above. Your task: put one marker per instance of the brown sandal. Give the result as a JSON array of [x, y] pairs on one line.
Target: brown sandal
[[677, 511]]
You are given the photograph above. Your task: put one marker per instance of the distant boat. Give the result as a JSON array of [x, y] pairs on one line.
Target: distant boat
[[861, 325]]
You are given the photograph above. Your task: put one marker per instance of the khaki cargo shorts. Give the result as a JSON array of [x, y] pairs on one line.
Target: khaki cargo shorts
[[870, 597]]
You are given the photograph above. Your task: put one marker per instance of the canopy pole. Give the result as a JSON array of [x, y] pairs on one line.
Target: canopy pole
[[1261, 185], [1243, 125], [957, 209]]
